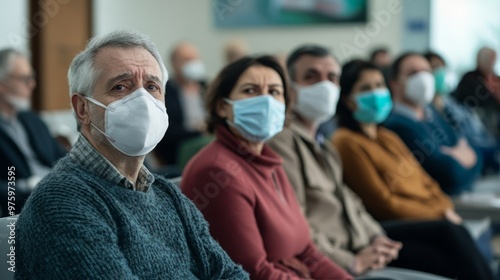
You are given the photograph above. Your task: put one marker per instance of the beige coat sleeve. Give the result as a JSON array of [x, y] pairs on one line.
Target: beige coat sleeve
[[284, 145], [371, 226]]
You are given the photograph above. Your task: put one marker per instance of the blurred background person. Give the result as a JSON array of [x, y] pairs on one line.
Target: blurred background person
[[234, 50], [463, 119], [239, 184], [445, 155], [394, 187], [381, 58], [185, 103], [480, 89], [25, 141]]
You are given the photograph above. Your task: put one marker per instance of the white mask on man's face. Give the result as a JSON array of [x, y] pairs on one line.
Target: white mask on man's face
[[135, 124], [10, 96], [318, 102], [20, 104], [419, 88], [194, 70]]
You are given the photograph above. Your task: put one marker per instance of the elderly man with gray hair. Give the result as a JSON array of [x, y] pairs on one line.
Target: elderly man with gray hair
[[100, 214]]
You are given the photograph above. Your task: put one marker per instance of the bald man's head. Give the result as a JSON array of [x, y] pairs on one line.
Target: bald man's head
[[181, 54], [486, 58]]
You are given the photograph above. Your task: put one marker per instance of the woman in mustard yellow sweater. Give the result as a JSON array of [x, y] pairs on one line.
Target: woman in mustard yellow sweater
[[393, 186], [377, 164]]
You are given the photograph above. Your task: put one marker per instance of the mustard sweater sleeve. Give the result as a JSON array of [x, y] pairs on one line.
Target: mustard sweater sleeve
[[381, 201]]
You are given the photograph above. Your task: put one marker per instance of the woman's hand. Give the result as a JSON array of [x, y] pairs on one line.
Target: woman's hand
[[392, 247], [452, 216]]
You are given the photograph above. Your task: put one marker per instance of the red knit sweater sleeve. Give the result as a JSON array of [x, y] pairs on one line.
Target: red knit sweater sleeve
[[230, 212], [320, 266]]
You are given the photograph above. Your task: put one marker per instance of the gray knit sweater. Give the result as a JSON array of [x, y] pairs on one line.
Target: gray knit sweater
[[79, 226]]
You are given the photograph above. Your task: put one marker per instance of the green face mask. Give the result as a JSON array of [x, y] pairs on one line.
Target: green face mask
[[440, 84]]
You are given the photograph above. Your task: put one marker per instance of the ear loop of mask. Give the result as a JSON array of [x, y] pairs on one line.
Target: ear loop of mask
[[92, 100]]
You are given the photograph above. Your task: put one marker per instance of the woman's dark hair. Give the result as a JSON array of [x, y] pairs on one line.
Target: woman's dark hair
[[430, 55], [351, 72], [225, 81]]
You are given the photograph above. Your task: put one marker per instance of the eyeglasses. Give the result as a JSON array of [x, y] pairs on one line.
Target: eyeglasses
[[26, 79]]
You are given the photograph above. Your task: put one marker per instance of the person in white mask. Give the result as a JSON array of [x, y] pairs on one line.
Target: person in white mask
[[444, 153], [100, 214], [313, 166], [25, 141], [185, 101]]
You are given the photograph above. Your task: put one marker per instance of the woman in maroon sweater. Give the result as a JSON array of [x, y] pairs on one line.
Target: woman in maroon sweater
[[239, 184]]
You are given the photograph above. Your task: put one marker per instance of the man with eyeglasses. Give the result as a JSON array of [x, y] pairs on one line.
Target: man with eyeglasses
[[27, 149]]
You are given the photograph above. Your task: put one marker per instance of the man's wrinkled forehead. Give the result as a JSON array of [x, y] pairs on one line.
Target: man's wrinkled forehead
[[118, 61], [325, 64]]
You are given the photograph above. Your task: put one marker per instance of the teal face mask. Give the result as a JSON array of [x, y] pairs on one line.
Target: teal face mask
[[440, 81], [373, 106]]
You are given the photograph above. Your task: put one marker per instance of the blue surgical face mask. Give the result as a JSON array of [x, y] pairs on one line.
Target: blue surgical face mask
[[373, 106], [258, 118]]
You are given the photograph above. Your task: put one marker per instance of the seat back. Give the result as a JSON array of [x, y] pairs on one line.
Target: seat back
[[190, 147]]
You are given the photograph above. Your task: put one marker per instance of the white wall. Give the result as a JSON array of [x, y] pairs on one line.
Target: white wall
[[14, 24], [168, 22], [458, 28], [461, 27]]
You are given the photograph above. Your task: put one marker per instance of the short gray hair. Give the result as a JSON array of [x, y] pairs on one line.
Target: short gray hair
[[82, 74], [6, 56]]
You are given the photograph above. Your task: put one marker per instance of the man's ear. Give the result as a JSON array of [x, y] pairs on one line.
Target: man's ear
[[396, 89], [81, 109], [292, 97]]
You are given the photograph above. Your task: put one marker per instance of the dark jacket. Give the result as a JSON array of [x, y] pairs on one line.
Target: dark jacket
[[424, 139], [43, 144], [472, 91], [169, 146]]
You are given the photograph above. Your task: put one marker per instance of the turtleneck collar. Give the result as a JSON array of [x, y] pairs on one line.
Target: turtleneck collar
[[264, 162]]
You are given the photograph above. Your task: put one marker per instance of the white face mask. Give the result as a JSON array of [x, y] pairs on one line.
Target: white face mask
[[419, 88], [194, 70], [19, 104], [135, 124], [317, 102]]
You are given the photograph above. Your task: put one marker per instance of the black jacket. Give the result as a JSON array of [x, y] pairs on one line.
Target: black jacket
[[473, 92], [169, 146], [43, 144]]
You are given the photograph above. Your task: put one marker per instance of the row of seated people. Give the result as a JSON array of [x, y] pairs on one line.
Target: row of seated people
[[100, 200], [245, 189], [186, 130], [464, 108]]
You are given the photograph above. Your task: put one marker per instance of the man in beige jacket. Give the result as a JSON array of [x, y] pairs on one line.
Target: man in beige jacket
[[340, 225]]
